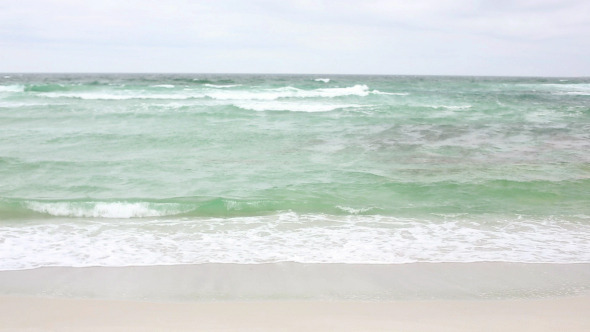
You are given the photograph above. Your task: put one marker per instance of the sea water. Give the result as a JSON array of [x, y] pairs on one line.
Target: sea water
[[128, 170]]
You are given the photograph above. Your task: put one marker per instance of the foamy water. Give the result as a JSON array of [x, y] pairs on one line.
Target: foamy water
[[121, 170], [286, 237]]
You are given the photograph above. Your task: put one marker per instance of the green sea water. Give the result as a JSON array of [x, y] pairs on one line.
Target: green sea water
[[165, 169]]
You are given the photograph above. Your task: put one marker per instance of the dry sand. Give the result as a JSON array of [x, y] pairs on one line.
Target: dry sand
[[20, 313]]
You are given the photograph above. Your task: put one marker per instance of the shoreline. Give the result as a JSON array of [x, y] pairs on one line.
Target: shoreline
[[300, 281], [18, 313]]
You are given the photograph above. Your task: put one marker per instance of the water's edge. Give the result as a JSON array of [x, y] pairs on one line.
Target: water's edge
[[295, 281]]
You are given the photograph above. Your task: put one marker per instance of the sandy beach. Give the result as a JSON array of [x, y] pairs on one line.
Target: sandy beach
[[295, 297], [50, 314]]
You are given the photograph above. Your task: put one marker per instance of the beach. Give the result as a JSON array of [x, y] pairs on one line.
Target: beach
[[46, 314], [292, 297]]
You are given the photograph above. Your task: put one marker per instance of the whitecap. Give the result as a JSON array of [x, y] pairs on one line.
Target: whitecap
[[121, 96], [352, 210], [167, 86], [292, 106], [325, 80], [12, 88], [573, 93], [22, 104], [221, 86], [288, 92], [377, 92], [449, 107], [220, 94], [119, 210]]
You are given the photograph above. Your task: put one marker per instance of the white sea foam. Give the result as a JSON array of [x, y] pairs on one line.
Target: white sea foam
[[574, 93], [219, 94], [117, 96], [289, 92], [377, 92], [351, 210], [576, 86], [288, 236], [581, 89], [12, 88], [22, 104], [291, 106], [325, 80], [448, 107], [222, 86], [167, 86], [118, 210]]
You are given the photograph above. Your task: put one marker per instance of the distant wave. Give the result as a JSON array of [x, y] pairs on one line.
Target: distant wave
[[167, 86], [12, 88], [222, 86], [574, 93], [292, 106], [290, 92], [116, 96], [580, 89], [377, 92], [23, 104], [448, 107], [221, 94], [325, 80]]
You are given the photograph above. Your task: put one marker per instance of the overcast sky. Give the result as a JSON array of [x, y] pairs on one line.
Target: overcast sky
[[430, 37]]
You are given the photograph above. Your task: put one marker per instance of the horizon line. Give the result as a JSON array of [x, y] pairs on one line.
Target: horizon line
[[279, 74]]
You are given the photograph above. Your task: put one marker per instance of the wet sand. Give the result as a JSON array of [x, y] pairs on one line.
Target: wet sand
[[299, 297]]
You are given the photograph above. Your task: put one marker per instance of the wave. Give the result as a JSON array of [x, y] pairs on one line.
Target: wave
[[220, 94], [12, 88], [541, 196], [125, 209], [573, 93], [173, 207], [325, 80], [293, 237], [448, 107], [119, 96], [51, 87], [377, 92], [222, 86], [581, 89], [23, 104], [119, 210], [352, 210], [167, 86], [290, 92], [292, 106]]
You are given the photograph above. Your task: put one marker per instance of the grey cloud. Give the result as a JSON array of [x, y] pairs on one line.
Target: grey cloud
[[374, 36]]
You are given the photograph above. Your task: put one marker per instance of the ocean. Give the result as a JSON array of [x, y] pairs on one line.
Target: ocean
[[120, 170]]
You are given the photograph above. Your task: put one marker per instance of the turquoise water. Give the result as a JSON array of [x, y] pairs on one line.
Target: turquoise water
[[169, 169]]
